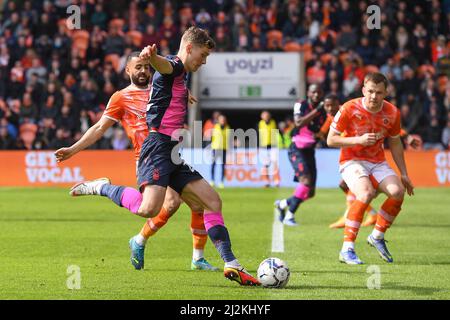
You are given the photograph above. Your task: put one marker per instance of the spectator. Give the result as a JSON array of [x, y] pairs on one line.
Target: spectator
[[208, 126], [61, 139], [365, 51], [433, 135], [6, 141], [46, 132], [49, 108], [346, 38], [150, 36], [267, 152], [120, 140], [219, 145], [28, 109], [351, 84], [99, 17], [114, 43], [293, 29], [316, 73]]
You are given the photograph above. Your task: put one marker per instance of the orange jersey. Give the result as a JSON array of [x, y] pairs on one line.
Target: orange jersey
[[353, 119], [129, 106]]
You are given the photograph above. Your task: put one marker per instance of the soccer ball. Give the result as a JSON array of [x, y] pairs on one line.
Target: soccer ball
[[273, 273]]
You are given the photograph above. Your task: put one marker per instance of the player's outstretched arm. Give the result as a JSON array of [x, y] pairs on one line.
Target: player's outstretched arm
[[90, 137], [395, 144], [158, 62]]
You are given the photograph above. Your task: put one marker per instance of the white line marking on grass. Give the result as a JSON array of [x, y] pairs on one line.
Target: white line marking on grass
[[277, 234]]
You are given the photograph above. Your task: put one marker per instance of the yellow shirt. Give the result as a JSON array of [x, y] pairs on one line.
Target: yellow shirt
[[220, 137], [266, 138]]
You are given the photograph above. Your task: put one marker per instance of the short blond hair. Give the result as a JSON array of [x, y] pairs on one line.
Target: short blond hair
[[198, 37]]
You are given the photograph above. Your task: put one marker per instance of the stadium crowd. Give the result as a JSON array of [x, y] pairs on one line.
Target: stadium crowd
[[56, 82]]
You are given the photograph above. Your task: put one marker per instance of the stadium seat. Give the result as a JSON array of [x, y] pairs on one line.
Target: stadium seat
[[136, 37], [292, 46], [274, 37], [114, 59], [27, 132], [307, 51]]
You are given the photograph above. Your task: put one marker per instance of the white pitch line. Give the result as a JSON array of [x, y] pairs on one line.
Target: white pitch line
[[277, 234]]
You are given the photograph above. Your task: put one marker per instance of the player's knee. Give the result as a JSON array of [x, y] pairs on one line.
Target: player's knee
[[367, 195], [172, 205], [215, 203], [148, 211], [397, 193]]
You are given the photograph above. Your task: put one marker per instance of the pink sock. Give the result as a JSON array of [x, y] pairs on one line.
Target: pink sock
[[212, 219], [131, 199], [302, 192]]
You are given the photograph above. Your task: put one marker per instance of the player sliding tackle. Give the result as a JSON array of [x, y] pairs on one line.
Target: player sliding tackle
[[366, 122], [128, 106]]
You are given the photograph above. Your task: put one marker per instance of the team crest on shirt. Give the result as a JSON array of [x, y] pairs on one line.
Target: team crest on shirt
[[156, 174], [357, 115]]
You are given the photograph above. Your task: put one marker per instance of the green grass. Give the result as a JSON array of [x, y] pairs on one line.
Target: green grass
[[43, 231]]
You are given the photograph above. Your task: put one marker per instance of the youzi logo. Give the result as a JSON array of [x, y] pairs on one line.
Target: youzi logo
[[252, 65]]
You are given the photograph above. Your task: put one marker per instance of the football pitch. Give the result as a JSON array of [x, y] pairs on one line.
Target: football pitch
[[48, 238]]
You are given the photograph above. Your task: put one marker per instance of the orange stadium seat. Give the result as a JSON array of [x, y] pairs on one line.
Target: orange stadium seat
[[274, 37], [292, 46], [307, 51], [27, 132]]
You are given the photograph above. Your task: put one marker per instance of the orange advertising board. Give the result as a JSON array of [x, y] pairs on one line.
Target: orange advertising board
[[39, 168], [426, 168]]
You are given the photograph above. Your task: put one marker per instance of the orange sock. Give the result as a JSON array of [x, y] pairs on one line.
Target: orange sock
[[354, 218], [199, 234], [152, 225], [389, 210]]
